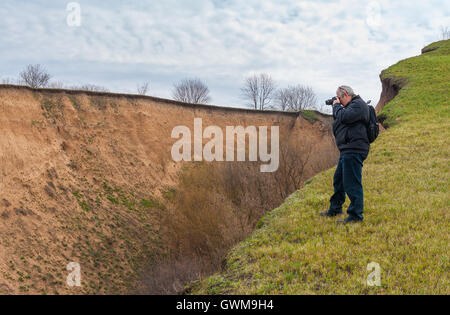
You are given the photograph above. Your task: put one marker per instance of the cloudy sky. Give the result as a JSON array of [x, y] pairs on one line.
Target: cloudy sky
[[122, 43]]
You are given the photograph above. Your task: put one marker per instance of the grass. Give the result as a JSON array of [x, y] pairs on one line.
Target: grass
[[406, 227], [112, 247], [75, 103], [152, 203], [309, 115]]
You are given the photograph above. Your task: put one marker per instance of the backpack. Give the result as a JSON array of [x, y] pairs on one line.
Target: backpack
[[372, 127]]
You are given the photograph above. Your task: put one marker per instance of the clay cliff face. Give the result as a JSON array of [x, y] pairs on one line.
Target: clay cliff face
[[89, 178]]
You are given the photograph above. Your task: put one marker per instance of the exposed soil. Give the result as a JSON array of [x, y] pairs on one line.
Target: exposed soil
[[87, 177], [390, 89]]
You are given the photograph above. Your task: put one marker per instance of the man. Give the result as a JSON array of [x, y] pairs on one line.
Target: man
[[351, 115]]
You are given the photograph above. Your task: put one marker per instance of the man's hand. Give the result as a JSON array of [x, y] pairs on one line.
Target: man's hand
[[336, 101]]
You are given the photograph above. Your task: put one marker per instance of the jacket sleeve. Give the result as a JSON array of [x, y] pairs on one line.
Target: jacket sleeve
[[336, 108], [348, 115]]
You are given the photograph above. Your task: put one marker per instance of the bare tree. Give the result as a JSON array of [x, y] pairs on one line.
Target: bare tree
[[90, 87], [191, 91], [296, 98], [283, 99], [142, 89], [259, 90], [35, 76], [445, 32], [9, 81], [56, 85], [294, 158]]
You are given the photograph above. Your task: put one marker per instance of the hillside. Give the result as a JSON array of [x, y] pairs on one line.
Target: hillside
[[88, 177], [406, 189]]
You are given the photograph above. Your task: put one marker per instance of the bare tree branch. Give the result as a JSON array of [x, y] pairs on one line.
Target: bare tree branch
[[35, 76], [90, 87], [296, 98], [143, 88], [259, 91], [10, 81], [294, 157], [283, 99], [191, 91], [56, 85]]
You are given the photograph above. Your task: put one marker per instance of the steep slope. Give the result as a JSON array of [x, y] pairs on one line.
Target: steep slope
[[87, 177], [406, 186]]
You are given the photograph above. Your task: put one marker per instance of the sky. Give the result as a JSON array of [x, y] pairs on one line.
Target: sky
[[120, 44]]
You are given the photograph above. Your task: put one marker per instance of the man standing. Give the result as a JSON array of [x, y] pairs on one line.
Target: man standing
[[351, 116]]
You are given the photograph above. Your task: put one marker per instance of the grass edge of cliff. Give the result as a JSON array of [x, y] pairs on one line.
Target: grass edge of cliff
[[405, 178]]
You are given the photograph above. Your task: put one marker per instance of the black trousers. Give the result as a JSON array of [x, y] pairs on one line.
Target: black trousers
[[348, 180]]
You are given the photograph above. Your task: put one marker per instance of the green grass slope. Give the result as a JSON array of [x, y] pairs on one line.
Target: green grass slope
[[406, 227]]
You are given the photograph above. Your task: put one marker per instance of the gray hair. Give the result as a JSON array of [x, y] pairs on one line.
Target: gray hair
[[345, 88]]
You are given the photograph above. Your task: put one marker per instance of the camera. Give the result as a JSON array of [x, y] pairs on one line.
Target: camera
[[331, 100]]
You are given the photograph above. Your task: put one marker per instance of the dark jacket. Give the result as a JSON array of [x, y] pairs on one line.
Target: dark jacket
[[349, 126]]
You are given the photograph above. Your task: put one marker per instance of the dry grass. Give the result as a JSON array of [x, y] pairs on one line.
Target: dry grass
[[215, 206]]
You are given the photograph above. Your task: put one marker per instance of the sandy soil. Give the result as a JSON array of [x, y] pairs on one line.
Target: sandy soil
[[72, 163]]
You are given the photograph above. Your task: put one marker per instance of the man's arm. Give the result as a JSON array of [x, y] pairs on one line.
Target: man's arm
[[348, 115], [336, 108]]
